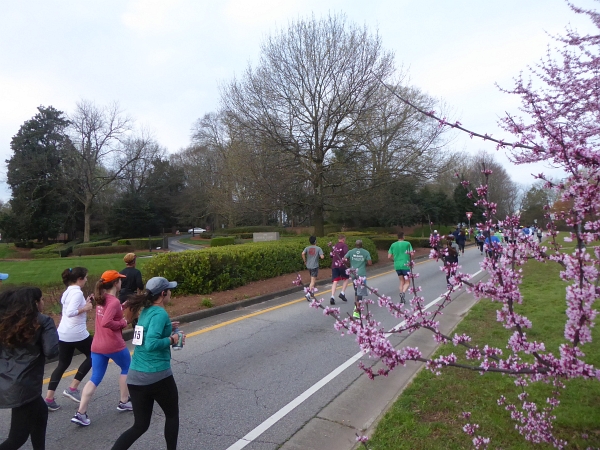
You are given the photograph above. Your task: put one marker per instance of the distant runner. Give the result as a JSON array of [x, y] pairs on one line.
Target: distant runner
[[359, 259], [338, 268], [398, 252], [310, 256]]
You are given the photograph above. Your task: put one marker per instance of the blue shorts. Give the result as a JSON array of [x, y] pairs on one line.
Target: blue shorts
[[100, 363], [338, 274], [403, 273]]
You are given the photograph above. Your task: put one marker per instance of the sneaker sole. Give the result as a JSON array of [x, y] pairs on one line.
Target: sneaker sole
[[75, 399], [80, 423], [53, 409], [124, 409]]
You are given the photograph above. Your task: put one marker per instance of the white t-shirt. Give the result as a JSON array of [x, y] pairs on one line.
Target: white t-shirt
[[72, 326]]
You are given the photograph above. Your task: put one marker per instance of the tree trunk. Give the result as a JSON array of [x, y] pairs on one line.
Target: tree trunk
[[319, 206], [87, 214]]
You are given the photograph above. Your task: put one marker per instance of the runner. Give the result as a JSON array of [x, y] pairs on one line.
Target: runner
[[108, 344], [480, 238], [338, 268], [461, 240], [73, 335], [150, 377], [310, 256], [399, 253], [27, 338], [359, 258], [450, 259], [132, 284]]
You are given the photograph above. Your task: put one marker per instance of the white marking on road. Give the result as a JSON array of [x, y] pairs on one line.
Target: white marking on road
[[268, 423]]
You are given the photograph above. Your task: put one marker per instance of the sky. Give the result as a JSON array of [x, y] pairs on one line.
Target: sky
[[164, 61]]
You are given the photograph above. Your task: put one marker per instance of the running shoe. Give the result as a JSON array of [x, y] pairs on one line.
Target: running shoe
[[81, 419], [402, 298], [52, 405], [74, 395], [356, 314], [307, 297], [125, 406], [343, 297], [332, 301]]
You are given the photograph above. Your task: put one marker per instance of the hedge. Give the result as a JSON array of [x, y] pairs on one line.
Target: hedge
[[85, 251], [93, 244], [142, 243], [57, 250], [222, 268], [221, 241], [384, 243]]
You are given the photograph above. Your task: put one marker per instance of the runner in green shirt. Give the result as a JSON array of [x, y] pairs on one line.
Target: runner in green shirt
[[398, 252], [359, 259]]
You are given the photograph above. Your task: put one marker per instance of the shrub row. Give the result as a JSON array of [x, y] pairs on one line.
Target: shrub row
[[222, 268], [255, 229], [57, 250], [93, 244], [221, 241], [384, 243], [85, 251], [142, 243], [29, 244]]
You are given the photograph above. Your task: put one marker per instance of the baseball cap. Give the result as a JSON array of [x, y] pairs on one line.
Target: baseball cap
[[111, 275], [129, 258], [158, 284], [3, 276]]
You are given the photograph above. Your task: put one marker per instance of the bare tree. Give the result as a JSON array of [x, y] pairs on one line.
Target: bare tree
[[99, 156], [315, 83]]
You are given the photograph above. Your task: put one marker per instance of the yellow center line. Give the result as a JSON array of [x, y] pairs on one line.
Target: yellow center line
[[239, 319]]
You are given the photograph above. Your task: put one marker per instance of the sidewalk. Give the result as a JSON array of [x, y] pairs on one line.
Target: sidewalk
[[359, 408]]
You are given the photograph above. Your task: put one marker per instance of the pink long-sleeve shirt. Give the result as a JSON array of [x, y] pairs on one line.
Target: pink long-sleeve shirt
[[108, 337]]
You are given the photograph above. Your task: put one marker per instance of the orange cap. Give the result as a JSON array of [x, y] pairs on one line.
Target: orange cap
[[111, 275]]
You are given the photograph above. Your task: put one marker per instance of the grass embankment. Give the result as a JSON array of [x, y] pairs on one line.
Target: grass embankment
[[46, 272], [427, 414], [8, 251]]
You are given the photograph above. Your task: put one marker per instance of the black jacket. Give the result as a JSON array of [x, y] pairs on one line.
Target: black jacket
[[131, 284], [22, 368]]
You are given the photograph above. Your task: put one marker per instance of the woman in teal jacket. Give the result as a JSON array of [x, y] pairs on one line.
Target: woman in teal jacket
[[150, 377]]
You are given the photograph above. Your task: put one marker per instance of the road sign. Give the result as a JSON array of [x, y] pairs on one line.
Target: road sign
[[469, 214]]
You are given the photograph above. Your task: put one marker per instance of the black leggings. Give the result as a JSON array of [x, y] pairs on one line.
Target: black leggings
[[25, 420], [142, 399], [65, 356]]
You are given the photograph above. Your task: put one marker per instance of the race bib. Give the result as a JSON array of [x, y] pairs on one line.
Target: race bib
[[138, 335]]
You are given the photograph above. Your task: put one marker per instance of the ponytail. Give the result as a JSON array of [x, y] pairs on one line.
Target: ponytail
[[135, 303], [100, 289]]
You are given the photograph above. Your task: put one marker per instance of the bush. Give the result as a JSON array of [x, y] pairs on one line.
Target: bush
[[55, 250], [240, 230], [93, 244], [142, 243], [426, 231], [384, 243], [222, 268], [221, 241], [103, 250]]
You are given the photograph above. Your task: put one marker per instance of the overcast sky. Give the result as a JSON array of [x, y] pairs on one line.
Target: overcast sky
[[164, 60]]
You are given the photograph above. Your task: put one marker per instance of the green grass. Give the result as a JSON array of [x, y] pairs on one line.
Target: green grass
[[46, 272], [8, 251], [427, 414]]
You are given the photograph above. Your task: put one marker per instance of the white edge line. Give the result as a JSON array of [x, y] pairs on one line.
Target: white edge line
[[268, 423]]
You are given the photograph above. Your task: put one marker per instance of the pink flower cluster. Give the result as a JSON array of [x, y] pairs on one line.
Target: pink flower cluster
[[561, 126]]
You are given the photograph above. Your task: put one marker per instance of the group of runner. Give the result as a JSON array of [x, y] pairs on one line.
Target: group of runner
[[28, 337], [357, 259]]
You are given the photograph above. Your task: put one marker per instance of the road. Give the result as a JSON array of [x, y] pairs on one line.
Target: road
[[239, 369], [175, 245]]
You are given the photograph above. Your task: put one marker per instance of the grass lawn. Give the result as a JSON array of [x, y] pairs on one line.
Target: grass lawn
[[46, 272], [427, 414]]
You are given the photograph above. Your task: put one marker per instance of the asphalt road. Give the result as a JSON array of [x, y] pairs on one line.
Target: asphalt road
[[175, 245], [239, 369]]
